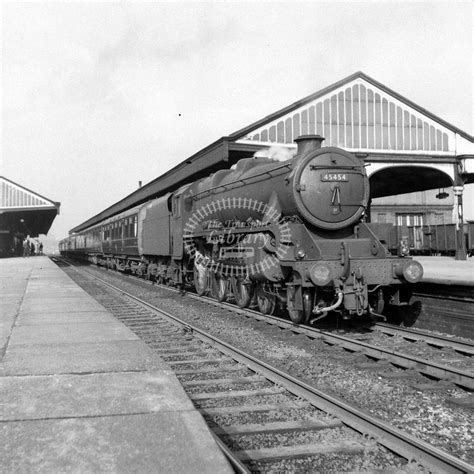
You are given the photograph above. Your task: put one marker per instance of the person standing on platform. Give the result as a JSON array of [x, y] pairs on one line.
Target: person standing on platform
[[26, 246], [40, 248]]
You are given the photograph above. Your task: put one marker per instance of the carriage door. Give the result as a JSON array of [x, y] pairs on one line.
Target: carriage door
[[411, 229]]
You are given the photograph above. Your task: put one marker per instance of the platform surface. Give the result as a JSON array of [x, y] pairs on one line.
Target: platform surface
[[447, 270], [80, 392]]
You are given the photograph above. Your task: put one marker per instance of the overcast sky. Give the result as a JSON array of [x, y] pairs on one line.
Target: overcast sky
[[98, 96]]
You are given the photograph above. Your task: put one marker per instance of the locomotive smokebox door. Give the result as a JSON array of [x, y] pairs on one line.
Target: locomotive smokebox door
[[331, 188]]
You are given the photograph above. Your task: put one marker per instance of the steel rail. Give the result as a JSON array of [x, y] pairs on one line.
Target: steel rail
[[458, 345], [392, 438], [236, 463]]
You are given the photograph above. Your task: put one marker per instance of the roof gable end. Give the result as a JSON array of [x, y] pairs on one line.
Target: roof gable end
[[358, 113], [14, 196]]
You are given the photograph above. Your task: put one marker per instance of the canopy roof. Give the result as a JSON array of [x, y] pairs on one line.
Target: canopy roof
[[24, 211]]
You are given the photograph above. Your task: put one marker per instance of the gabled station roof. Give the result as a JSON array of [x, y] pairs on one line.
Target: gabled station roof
[[357, 113], [349, 101], [23, 210]]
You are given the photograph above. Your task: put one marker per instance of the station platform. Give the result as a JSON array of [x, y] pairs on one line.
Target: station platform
[[447, 270], [81, 392]]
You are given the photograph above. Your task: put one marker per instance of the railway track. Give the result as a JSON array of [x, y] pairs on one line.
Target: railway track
[[433, 355], [450, 361], [388, 349], [263, 415]]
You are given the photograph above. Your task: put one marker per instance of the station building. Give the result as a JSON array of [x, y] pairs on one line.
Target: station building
[[23, 213], [417, 162]]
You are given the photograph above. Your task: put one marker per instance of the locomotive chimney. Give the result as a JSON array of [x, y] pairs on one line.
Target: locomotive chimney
[[139, 184], [308, 143]]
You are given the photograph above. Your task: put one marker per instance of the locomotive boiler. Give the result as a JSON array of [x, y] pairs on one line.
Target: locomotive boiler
[[290, 234]]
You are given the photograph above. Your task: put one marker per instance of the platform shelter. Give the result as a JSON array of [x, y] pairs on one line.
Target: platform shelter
[[405, 147], [22, 213]]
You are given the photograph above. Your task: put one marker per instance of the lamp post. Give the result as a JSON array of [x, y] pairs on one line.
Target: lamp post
[[460, 244]]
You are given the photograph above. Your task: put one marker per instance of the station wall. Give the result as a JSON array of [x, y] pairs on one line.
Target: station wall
[[419, 208]]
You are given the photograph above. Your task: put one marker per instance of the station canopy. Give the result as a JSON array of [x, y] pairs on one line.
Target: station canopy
[[23, 211], [357, 113]]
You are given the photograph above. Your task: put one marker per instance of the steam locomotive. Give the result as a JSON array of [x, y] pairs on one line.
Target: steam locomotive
[[288, 234]]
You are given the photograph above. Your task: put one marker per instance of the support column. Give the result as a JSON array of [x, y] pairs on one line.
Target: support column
[[368, 216], [460, 242]]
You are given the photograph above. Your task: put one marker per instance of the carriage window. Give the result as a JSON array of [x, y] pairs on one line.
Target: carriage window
[[135, 226]]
